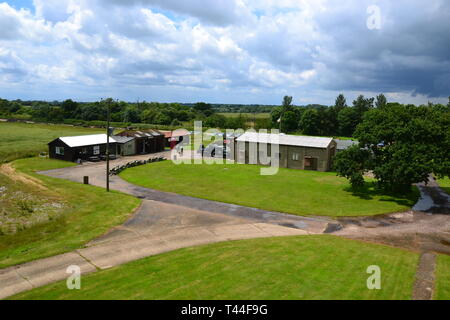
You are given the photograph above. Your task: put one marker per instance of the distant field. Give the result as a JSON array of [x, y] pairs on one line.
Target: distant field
[[21, 140], [250, 115], [291, 191], [305, 267]]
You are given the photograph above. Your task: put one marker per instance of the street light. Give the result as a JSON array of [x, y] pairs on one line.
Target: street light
[[108, 104]]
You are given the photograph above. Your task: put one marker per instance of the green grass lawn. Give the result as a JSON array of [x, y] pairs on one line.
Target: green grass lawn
[[250, 115], [305, 267], [20, 140], [292, 191], [90, 212], [444, 184], [442, 290]]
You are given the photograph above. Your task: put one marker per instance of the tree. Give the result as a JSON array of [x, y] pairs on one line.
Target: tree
[[215, 121], [348, 119], [69, 108], [352, 164], [287, 104], [405, 144], [381, 101], [289, 121], [132, 115], [340, 103], [309, 122], [204, 108], [362, 105]]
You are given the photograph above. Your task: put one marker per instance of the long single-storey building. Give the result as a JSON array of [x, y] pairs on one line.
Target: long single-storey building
[[81, 147], [342, 145], [295, 152], [146, 141], [175, 137]]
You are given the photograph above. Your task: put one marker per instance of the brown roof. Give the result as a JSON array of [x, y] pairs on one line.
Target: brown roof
[[148, 133], [175, 133]]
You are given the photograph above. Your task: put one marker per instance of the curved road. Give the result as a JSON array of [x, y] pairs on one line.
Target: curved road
[[167, 221]]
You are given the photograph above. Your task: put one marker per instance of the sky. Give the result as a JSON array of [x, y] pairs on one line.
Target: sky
[[225, 51]]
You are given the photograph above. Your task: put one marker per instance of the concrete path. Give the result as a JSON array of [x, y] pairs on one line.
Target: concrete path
[[424, 285], [164, 222]]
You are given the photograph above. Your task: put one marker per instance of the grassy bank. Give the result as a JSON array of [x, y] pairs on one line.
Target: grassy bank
[[442, 290], [308, 267], [292, 191], [88, 212], [444, 184]]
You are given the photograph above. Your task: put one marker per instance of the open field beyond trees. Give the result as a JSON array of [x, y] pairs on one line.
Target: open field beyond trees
[[305, 267], [291, 191], [20, 140], [249, 115], [85, 213]]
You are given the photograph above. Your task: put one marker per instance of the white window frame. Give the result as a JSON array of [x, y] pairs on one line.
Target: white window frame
[[295, 156], [96, 150], [59, 151]]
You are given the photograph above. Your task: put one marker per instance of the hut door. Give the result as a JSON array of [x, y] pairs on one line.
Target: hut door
[[310, 163]]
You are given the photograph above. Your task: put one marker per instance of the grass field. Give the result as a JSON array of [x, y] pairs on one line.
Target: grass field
[[89, 212], [21, 140], [308, 267], [444, 184], [249, 115], [442, 291], [292, 191]]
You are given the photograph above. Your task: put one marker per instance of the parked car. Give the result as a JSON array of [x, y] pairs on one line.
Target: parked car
[[94, 159], [111, 157], [216, 151]]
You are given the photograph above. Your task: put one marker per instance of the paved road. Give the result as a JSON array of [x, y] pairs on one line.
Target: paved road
[[167, 221], [164, 222]]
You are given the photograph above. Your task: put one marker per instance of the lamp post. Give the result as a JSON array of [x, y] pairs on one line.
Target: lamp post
[[108, 104]]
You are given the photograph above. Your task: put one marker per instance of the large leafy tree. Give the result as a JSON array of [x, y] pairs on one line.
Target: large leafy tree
[[404, 144], [310, 122], [348, 119], [362, 104]]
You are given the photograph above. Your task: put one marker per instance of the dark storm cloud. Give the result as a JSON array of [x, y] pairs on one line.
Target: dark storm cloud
[[411, 51]]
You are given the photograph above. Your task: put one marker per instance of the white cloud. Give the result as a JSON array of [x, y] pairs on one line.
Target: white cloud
[[224, 49]]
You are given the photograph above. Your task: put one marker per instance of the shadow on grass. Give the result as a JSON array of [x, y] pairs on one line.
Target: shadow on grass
[[369, 191]]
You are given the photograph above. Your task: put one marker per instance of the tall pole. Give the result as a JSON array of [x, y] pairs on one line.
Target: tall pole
[[107, 143]]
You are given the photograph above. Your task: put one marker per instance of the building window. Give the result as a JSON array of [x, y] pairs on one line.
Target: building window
[[295, 156], [60, 151], [96, 150], [84, 151]]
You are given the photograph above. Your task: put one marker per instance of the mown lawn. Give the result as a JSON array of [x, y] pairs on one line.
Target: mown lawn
[[305, 267], [90, 211], [442, 290], [21, 140], [292, 191]]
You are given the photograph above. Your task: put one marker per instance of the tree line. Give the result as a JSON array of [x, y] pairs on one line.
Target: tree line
[[337, 120]]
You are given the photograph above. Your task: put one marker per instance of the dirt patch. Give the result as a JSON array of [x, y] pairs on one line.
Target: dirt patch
[[9, 171]]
